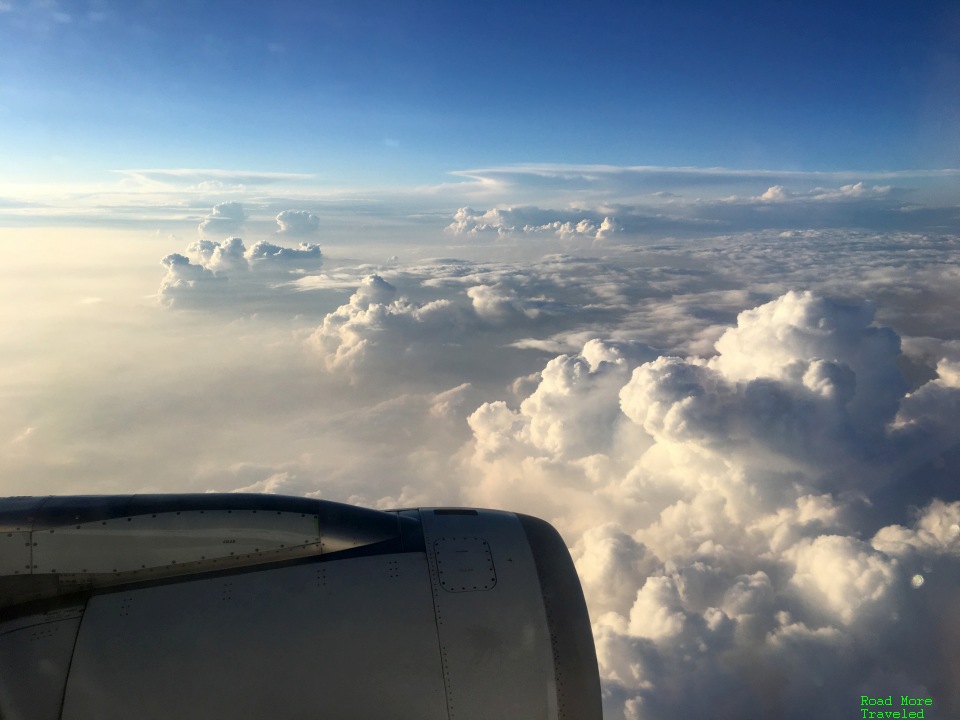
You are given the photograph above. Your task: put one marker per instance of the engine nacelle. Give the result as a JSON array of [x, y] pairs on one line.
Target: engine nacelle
[[232, 606]]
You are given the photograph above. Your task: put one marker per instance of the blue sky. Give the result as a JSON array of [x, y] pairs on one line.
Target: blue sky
[[401, 93]]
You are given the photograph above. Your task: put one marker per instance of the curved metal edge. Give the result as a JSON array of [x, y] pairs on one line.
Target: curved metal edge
[[51, 511], [59, 597], [344, 531], [574, 653]]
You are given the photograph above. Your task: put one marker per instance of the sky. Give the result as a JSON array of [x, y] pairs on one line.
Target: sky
[[679, 278]]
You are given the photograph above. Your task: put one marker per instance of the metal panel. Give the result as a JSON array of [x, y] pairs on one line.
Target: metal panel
[[35, 656], [344, 527], [14, 553], [464, 564], [19, 513], [87, 542], [58, 510], [351, 639], [135, 542], [495, 645], [411, 530], [574, 653]]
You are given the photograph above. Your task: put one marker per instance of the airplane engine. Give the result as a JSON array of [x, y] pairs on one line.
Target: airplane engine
[[234, 606]]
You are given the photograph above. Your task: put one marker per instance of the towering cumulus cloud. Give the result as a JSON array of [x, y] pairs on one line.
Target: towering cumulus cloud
[[199, 278], [298, 223], [184, 280], [727, 514], [375, 326], [224, 219]]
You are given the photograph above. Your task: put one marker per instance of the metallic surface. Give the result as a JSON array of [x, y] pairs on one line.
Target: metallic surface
[[15, 556], [571, 638], [249, 606], [90, 542], [495, 644], [464, 563], [352, 639], [35, 654], [157, 540]]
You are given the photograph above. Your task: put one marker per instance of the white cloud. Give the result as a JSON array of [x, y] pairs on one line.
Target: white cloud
[[852, 191], [612, 565], [717, 508], [184, 281], [220, 256], [732, 462], [842, 576], [251, 271], [298, 223], [659, 201], [548, 201], [265, 254], [775, 193], [657, 612], [936, 532], [225, 219], [280, 483], [467, 221], [497, 304], [193, 176], [507, 222], [232, 255], [830, 348], [374, 325]]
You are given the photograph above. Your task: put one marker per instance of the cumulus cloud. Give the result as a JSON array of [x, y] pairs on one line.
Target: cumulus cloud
[[224, 219], [375, 324], [852, 191], [498, 304], [266, 254], [184, 280], [380, 327], [936, 532], [582, 228], [222, 256], [232, 254], [298, 223], [775, 193], [746, 476], [654, 202], [249, 269], [720, 504], [758, 486], [506, 222], [467, 221]]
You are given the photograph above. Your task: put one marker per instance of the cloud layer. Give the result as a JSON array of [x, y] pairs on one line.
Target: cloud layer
[[754, 465], [730, 510], [723, 508]]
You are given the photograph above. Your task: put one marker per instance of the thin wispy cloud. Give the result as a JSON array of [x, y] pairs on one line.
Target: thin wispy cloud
[[193, 177]]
